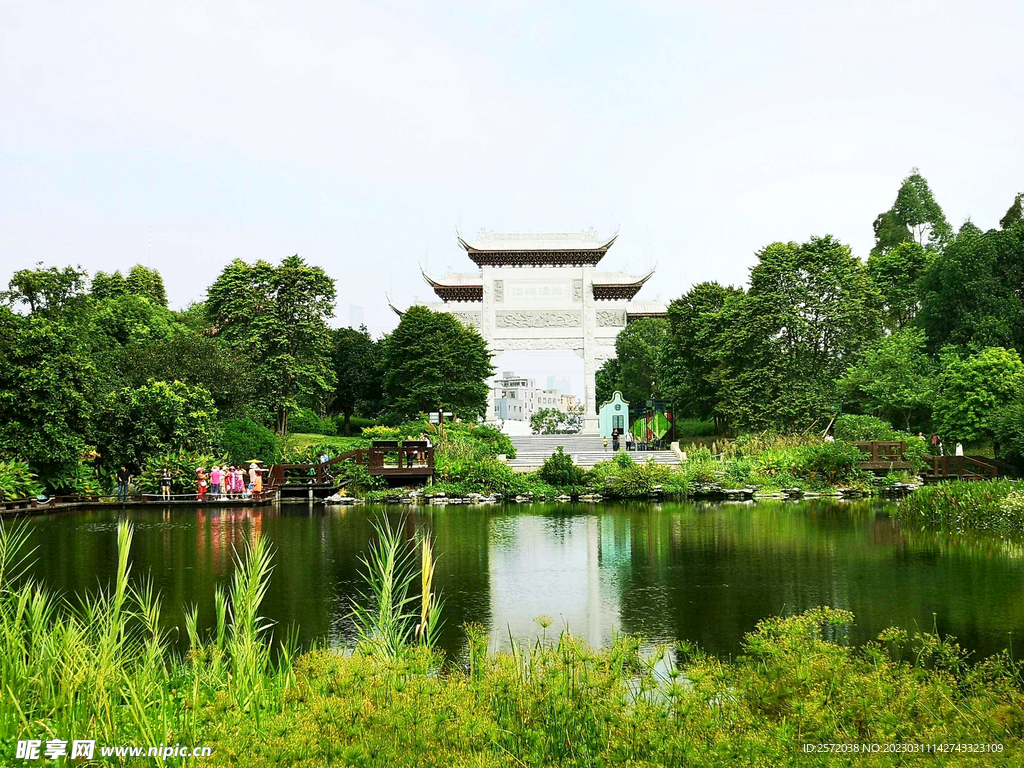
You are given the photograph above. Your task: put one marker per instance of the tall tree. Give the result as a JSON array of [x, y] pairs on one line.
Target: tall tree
[[47, 386], [972, 294], [896, 273], [278, 315], [148, 283], [811, 309], [894, 379], [688, 361], [638, 348], [357, 369], [432, 362], [914, 217], [1014, 213]]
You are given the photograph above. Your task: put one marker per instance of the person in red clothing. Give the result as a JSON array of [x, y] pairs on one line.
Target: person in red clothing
[[201, 484]]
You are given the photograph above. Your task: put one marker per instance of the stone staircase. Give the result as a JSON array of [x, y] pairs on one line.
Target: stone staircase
[[586, 450]]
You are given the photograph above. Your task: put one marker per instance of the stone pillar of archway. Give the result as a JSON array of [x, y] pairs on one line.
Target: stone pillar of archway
[[591, 425]]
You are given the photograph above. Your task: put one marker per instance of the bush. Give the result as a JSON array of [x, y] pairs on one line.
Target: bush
[[244, 440], [852, 428], [638, 480], [382, 433], [702, 467], [832, 463], [306, 422], [497, 440], [182, 465], [559, 470], [693, 428], [18, 481]]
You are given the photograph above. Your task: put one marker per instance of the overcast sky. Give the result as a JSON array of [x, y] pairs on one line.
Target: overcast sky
[[183, 135]]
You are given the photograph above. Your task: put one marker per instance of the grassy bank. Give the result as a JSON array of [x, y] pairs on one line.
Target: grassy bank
[[103, 668]]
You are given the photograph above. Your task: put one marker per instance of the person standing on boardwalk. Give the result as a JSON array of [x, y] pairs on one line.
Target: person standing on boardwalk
[[165, 484], [215, 475], [123, 478], [255, 480], [201, 484], [959, 448]]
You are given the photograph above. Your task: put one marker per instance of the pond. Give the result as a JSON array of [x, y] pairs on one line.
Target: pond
[[705, 573]]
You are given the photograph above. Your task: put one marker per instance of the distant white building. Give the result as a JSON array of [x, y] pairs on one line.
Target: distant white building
[[517, 398], [569, 403]]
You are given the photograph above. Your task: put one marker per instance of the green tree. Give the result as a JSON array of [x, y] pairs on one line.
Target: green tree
[[1015, 213], [607, 379], [551, 421], [894, 379], [896, 273], [811, 308], [47, 385], [638, 348], [687, 367], [972, 294], [972, 390], [914, 217], [278, 316], [357, 369], [135, 423], [46, 289], [432, 362]]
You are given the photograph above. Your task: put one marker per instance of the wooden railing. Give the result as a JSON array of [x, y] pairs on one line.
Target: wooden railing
[[883, 454], [967, 467], [383, 457]]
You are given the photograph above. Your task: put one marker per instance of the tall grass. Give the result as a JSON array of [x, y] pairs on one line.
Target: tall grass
[[100, 666], [385, 613], [960, 505]]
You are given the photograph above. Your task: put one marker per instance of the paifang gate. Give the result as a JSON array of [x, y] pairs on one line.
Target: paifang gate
[[543, 292]]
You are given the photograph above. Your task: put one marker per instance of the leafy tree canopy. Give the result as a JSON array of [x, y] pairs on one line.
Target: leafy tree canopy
[[141, 281], [638, 349], [896, 273], [894, 379], [432, 362], [687, 366], [971, 390], [972, 294], [810, 310], [607, 379], [357, 368], [551, 421], [1014, 214], [278, 316], [137, 422], [46, 289], [914, 217]]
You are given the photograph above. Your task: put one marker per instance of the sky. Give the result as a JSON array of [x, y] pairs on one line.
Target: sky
[[360, 135]]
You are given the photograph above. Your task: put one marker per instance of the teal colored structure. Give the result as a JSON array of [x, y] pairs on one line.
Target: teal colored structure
[[614, 415]]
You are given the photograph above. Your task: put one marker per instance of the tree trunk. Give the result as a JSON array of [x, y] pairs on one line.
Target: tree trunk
[[348, 428], [282, 421]]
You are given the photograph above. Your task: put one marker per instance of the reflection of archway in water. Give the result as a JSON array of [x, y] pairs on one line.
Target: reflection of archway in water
[[539, 365]]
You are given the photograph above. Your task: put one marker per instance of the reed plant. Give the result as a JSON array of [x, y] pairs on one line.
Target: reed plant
[[389, 616], [961, 505]]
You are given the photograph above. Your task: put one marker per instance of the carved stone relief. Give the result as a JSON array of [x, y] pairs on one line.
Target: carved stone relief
[[611, 318], [577, 290], [538, 319], [468, 318], [502, 345], [499, 291]]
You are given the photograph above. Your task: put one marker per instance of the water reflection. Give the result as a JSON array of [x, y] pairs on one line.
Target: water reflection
[[701, 572]]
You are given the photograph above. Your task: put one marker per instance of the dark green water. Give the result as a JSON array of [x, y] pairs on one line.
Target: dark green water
[[700, 572]]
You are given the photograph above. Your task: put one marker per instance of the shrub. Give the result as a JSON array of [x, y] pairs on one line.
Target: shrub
[[832, 462], [702, 467], [693, 428], [497, 440], [852, 428], [182, 465], [304, 421], [382, 433], [18, 481], [640, 479], [486, 475], [560, 470], [244, 440]]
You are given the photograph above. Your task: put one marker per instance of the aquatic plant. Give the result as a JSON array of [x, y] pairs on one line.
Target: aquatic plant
[[963, 505]]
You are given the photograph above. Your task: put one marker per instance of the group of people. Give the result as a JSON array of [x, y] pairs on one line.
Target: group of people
[[222, 482]]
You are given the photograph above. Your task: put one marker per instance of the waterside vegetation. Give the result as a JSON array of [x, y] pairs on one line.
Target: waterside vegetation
[[104, 667]]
